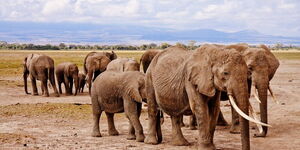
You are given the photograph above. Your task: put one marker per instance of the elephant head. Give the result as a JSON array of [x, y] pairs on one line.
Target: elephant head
[[111, 55], [262, 65], [131, 65], [72, 71], [213, 68]]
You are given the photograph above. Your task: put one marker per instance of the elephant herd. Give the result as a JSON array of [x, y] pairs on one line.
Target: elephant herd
[[175, 81]]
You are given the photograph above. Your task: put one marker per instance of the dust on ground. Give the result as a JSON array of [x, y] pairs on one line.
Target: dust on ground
[[36, 122]]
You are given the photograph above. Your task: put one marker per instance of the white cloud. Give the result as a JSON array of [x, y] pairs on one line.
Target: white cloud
[[279, 17]]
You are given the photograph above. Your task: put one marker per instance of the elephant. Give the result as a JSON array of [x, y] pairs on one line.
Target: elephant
[[262, 65], [39, 67], [82, 80], [67, 73], [116, 92], [180, 82], [123, 64], [147, 58], [96, 63]]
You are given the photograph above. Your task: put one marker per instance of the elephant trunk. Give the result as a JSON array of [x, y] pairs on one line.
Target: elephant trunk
[[262, 94], [242, 99], [25, 75], [76, 82]]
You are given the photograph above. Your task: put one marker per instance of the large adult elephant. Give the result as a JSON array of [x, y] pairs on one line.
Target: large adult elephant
[[67, 73], [39, 67], [181, 82], [147, 58], [96, 63], [262, 65]]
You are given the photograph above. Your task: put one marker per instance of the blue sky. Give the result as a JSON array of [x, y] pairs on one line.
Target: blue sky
[[273, 17]]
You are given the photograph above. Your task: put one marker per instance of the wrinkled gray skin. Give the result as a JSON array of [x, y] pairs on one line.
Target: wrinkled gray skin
[[147, 58], [39, 67], [262, 65], [116, 92], [96, 63], [82, 81], [179, 80], [67, 73], [123, 64]]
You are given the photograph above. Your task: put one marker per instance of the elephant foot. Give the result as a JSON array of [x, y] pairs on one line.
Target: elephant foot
[[192, 127], [56, 95], [140, 138], [207, 146], [131, 137], [46, 95], [151, 140], [96, 134], [235, 129], [113, 132], [35, 94], [263, 134], [180, 141], [68, 94]]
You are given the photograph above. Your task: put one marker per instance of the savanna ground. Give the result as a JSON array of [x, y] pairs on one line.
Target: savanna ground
[[65, 122]]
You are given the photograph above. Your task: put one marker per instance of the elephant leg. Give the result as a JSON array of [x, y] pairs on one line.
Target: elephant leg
[[181, 121], [152, 115], [45, 88], [33, 84], [178, 138], [235, 124], [111, 125], [71, 86], [131, 132], [89, 81], [131, 109], [214, 110], [52, 81], [221, 120], [193, 122], [96, 116], [59, 87], [203, 123], [67, 85]]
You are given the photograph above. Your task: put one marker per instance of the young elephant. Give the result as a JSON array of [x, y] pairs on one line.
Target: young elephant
[[39, 67], [66, 72], [116, 92], [82, 81], [123, 64]]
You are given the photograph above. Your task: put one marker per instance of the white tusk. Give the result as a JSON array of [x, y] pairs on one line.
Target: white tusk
[[273, 96], [255, 95], [253, 113], [240, 112]]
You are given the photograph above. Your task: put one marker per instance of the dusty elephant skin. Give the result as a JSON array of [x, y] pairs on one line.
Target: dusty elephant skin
[[116, 92], [82, 81], [123, 64], [67, 73], [262, 66], [179, 81], [96, 63], [147, 58], [39, 67]]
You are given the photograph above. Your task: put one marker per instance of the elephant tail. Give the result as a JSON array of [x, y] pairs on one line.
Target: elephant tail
[[158, 125]]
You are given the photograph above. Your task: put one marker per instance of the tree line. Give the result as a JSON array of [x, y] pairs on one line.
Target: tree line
[[62, 46]]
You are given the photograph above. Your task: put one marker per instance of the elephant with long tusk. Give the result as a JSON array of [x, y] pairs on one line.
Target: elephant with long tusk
[[262, 66], [182, 82]]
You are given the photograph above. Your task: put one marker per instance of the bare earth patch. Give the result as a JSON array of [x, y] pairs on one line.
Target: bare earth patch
[[36, 122]]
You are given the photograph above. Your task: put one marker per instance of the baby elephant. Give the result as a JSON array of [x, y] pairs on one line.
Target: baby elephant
[[82, 81], [65, 73], [116, 92]]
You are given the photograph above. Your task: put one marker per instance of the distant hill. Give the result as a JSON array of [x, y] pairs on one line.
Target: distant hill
[[53, 33]]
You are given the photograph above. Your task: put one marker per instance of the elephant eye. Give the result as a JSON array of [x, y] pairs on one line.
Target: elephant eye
[[226, 73]]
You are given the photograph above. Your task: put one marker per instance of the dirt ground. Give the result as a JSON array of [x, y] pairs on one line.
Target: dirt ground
[[36, 122]]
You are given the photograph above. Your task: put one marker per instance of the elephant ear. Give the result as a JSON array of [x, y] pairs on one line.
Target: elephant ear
[[134, 93], [67, 71], [199, 73], [113, 55]]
